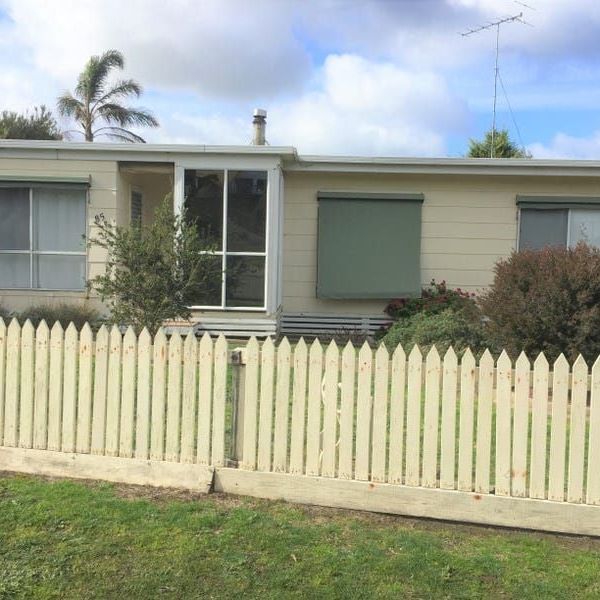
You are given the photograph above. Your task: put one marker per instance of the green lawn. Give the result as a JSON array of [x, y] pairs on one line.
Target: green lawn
[[62, 539]]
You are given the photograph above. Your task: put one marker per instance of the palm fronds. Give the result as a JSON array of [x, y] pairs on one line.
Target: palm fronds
[[95, 102]]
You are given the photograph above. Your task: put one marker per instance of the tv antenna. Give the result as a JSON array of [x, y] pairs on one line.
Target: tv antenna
[[496, 25]]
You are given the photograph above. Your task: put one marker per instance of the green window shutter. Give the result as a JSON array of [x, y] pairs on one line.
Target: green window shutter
[[369, 245]]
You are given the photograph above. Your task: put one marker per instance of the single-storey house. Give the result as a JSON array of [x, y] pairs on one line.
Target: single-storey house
[[317, 243]]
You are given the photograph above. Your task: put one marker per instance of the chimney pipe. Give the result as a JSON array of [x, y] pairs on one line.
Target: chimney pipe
[[259, 123]]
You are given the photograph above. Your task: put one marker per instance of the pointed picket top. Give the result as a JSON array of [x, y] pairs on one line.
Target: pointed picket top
[[331, 347], [206, 343], [382, 353], [580, 363], [596, 367], [85, 330], [28, 328], [486, 356], [14, 326], [468, 358], [102, 336], [541, 362], [433, 357], [301, 346], [251, 346], [71, 332], [144, 338], [56, 329], [221, 344], [284, 345], [190, 342], [160, 337], [561, 363], [268, 345], [315, 348], [504, 361], [348, 352], [175, 339], [42, 329], [450, 356], [365, 353], [522, 363], [399, 353], [415, 354]]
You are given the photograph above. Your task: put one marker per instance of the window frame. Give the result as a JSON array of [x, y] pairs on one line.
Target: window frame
[[31, 253], [224, 253]]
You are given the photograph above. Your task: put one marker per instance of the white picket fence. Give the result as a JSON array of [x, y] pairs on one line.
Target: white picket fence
[[486, 442]]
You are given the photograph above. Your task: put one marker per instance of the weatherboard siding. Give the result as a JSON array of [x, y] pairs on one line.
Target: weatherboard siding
[[468, 223]]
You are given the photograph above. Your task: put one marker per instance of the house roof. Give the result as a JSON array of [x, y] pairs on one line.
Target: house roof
[[292, 161]]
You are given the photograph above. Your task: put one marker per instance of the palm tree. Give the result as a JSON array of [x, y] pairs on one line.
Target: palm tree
[[96, 103]]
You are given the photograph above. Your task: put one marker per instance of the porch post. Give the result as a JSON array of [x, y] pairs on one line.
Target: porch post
[[178, 190]]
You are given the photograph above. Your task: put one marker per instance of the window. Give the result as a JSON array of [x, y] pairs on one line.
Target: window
[[229, 209], [369, 245], [42, 238], [558, 222], [136, 207]]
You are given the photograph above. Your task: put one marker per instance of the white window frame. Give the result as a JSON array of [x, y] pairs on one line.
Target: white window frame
[[31, 252], [273, 231]]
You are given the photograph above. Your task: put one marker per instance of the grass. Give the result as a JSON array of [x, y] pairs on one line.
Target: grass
[[64, 539]]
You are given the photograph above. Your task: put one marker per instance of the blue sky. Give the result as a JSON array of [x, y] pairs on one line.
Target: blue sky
[[370, 77]]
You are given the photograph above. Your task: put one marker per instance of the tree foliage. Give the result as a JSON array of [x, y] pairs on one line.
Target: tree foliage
[[504, 147], [97, 105], [546, 301], [153, 272], [39, 124]]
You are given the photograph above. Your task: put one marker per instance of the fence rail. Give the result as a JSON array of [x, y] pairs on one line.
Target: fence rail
[[447, 437]]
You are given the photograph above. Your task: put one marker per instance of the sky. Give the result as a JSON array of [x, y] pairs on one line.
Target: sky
[[358, 77]]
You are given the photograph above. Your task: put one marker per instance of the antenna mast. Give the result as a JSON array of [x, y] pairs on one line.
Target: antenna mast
[[495, 24]]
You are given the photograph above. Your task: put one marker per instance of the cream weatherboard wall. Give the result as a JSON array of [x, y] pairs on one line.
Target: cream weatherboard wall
[[468, 223], [102, 199]]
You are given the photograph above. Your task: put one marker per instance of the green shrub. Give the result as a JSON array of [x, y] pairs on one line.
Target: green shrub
[[434, 299], [547, 300], [63, 313], [5, 313], [448, 327]]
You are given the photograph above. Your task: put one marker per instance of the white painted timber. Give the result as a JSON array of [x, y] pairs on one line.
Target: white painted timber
[[205, 390], [297, 444], [412, 474], [84, 390], [251, 404], [503, 425], [397, 410], [577, 430], [129, 374], [26, 386], [313, 423], [330, 410], [520, 427], [364, 408], [100, 390], [484, 423], [431, 419], [380, 415], [40, 407], [558, 431], [282, 403], [539, 428], [265, 418], [448, 422], [143, 397]]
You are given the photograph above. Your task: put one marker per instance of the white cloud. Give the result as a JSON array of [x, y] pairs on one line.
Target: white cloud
[[568, 146]]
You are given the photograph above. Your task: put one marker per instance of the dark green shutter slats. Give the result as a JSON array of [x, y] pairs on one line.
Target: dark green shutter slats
[[369, 246]]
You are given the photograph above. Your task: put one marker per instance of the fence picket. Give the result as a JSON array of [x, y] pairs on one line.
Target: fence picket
[[142, 409], [539, 428], [69, 410], [2, 375], [159, 382], [205, 390], [298, 409], [503, 424], [348, 381], [282, 402], [330, 410], [431, 418], [397, 403], [219, 400], [265, 418], [412, 475], [520, 427], [128, 394], [26, 386], [558, 431], [484, 423], [313, 424], [113, 394], [40, 402], [188, 403], [466, 422], [173, 398], [448, 435], [250, 405], [380, 414], [364, 406], [84, 390], [55, 387], [593, 466], [13, 359], [100, 390], [577, 426]]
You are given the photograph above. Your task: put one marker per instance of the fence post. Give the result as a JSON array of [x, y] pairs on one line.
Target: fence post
[[238, 383]]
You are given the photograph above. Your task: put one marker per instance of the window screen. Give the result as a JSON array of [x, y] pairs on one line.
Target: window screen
[[369, 245], [136, 207], [540, 228]]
